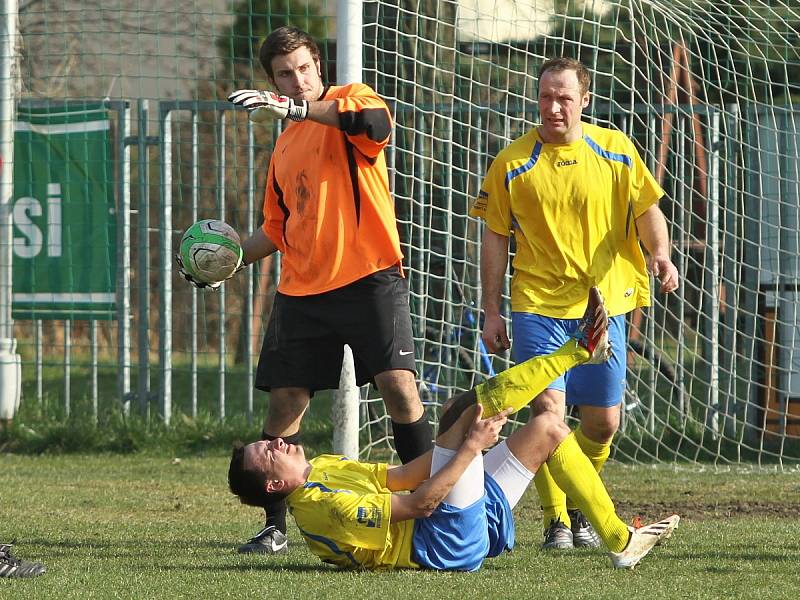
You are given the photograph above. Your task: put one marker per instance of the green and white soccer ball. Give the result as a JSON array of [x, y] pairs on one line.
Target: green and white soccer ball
[[211, 250]]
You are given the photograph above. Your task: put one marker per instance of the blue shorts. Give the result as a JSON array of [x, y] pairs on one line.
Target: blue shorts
[[459, 539], [593, 385]]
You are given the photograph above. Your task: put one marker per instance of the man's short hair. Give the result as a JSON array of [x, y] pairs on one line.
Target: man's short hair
[[562, 63], [249, 484], [285, 40]]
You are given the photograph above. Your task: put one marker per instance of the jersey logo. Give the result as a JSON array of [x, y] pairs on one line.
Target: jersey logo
[[481, 202], [369, 516], [566, 163]]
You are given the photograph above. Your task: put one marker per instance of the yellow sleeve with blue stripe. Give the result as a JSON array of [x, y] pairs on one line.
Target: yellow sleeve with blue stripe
[[571, 208], [343, 512], [493, 203], [644, 189]]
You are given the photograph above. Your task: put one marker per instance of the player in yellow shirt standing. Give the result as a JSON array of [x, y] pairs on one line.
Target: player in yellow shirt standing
[[328, 211], [578, 199], [459, 511]]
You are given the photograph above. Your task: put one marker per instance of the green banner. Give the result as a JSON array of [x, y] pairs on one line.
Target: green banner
[[64, 215]]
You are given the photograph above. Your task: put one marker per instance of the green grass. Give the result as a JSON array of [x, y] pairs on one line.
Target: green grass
[[45, 428], [150, 526]]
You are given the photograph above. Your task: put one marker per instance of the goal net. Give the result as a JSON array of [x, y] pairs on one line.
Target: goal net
[[709, 93], [708, 90]]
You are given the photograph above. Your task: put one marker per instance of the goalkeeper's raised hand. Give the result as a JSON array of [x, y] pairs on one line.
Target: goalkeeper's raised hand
[[263, 106]]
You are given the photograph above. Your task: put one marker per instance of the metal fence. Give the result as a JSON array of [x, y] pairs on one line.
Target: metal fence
[[186, 160]]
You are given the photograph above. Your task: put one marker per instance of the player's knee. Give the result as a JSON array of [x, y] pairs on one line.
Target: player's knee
[[399, 391], [553, 428], [600, 429], [286, 406], [547, 403]]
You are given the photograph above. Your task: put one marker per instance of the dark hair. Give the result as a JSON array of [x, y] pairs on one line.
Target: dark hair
[[285, 40], [247, 483], [563, 63]]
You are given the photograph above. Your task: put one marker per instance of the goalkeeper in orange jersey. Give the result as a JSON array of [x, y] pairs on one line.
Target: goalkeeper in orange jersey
[[328, 211], [459, 511]]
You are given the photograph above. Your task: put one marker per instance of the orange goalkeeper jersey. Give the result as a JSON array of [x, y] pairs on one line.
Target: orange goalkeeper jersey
[[327, 205]]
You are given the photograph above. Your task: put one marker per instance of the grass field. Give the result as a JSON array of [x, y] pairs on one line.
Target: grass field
[[144, 526]]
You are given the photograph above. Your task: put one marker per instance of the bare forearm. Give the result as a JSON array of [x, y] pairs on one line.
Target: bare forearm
[[494, 262], [324, 111], [431, 493], [257, 247], [653, 232], [410, 475], [483, 433]]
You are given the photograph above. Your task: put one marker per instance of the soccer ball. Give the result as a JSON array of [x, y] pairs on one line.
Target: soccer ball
[[211, 251]]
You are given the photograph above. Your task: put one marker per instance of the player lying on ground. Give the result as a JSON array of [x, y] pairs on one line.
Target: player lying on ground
[[459, 511]]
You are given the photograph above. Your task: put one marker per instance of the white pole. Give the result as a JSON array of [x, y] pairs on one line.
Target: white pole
[[349, 22], [715, 276], [9, 359], [345, 410]]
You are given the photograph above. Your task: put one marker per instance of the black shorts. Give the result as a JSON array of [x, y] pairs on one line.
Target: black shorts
[[303, 346]]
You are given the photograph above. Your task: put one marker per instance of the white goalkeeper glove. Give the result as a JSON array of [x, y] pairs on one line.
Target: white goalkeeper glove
[[264, 106], [202, 285]]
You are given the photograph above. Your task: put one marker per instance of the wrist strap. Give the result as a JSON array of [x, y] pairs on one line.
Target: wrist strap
[[298, 110]]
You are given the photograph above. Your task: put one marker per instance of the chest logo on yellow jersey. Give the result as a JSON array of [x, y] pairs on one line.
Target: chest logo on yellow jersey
[[369, 516], [567, 163]]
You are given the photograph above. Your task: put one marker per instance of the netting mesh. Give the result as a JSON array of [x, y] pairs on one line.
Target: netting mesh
[[708, 91]]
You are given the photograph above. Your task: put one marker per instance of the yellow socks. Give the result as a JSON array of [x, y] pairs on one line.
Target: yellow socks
[[596, 452], [553, 500], [516, 387], [574, 474]]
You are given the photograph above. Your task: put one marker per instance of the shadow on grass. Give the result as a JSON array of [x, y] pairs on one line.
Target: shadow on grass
[[241, 568], [737, 557]]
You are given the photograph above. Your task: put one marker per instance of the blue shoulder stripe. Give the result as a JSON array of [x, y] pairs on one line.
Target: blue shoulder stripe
[[323, 487], [331, 546], [537, 148], [623, 158]]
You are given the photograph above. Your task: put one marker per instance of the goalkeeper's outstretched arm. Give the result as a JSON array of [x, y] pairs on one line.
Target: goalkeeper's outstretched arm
[[264, 106]]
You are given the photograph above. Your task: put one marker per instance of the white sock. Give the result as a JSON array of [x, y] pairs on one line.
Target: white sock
[[510, 474], [469, 487]]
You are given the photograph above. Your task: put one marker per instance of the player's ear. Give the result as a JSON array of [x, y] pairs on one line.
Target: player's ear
[[274, 485], [585, 101]]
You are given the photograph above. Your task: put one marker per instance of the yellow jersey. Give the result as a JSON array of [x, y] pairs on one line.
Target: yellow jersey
[[571, 208], [343, 512]]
